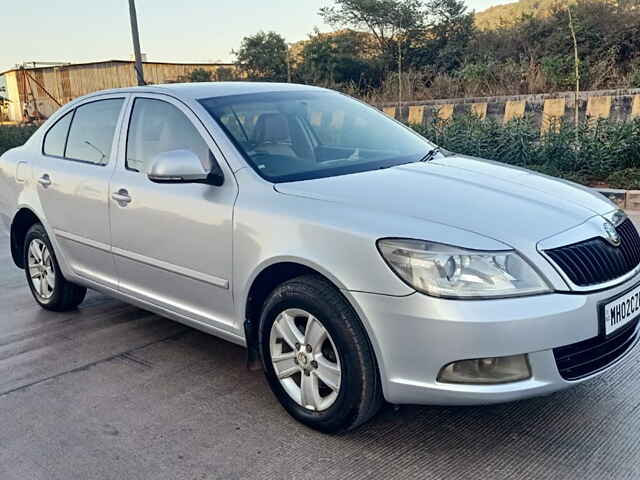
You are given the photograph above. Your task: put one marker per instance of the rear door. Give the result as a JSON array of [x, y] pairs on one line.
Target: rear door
[[73, 173], [172, 242]]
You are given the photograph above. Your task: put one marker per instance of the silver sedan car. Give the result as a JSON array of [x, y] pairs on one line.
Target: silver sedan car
[[355, 260]]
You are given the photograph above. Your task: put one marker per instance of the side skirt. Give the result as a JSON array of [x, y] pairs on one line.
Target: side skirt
[[167, 313]]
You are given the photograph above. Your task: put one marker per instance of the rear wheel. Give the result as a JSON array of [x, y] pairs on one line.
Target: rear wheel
[[317, 356], [48, 286]]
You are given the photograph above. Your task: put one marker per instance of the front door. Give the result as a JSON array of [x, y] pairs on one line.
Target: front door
[[73, 175], [172, 242]]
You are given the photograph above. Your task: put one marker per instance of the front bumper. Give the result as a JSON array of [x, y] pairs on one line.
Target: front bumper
[[416, 335]]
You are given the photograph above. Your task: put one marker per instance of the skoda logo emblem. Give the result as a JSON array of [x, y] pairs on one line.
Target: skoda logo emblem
[[611, 234]]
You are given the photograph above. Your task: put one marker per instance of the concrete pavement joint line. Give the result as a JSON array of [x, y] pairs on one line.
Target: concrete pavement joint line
[[91, 364], [133, 358]]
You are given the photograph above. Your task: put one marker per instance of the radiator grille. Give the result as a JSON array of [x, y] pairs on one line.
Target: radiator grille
[[595, 261]]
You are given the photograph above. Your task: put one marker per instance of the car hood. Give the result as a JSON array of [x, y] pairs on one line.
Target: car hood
[[509, 204]]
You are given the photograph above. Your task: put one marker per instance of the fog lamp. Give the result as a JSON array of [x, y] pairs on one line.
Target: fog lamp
[[487, 370]]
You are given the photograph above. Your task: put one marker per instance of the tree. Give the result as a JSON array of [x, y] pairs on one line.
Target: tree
[[450, 30], [263, 56], [387, 20], [338, 58], [391, 22]]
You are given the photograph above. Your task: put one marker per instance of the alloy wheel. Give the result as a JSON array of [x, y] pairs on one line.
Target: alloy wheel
[[41, 269], [305, 359]]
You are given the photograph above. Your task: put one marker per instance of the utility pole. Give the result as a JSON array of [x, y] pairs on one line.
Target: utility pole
[[136, 42]]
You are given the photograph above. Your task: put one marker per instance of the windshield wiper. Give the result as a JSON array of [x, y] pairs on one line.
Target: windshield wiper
[[430, 154]]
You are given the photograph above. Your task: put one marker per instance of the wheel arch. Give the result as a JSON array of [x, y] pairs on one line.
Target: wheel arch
[[267, 278], [22, 221]]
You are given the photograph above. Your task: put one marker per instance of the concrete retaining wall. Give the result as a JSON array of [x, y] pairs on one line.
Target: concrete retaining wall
[[545, 108]]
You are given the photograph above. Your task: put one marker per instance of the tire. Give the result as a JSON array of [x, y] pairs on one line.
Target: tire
[[359, 395], [56, 294]]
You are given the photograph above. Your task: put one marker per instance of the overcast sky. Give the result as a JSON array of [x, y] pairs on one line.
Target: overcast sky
[[170, 30]]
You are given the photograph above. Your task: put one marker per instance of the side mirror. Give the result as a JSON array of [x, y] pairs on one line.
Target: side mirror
[[182, 166]]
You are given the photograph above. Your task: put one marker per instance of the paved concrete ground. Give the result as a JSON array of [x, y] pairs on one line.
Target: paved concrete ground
[[114, 392]]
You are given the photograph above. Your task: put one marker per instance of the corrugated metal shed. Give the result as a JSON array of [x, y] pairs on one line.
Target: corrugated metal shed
[[38, 92]]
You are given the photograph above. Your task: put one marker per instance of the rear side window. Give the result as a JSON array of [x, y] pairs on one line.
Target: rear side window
[[91, 134], [56, 136], [158, 127]]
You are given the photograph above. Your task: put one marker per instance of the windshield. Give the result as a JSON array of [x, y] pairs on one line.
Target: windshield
[[289, 136]]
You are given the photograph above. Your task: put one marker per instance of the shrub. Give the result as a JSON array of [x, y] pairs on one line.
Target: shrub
[[200, 75], [598, 151], [628, 178], [14, 136]]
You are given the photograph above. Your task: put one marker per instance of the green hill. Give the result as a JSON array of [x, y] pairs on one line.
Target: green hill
[[510, 12]]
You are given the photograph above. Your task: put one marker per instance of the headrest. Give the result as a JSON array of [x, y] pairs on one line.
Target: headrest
[[271, 127]]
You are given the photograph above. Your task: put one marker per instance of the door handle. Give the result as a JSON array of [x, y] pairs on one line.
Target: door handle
[[45, 180], [122, 197]]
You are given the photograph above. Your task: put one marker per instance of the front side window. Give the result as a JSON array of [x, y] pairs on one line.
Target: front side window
[[92, 131], [289, 136], [158, 127], [56, 136]]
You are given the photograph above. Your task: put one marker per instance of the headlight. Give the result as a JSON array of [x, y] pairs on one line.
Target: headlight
[[446, 271]]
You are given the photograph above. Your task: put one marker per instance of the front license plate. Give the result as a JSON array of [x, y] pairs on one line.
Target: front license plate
[[621, 311]]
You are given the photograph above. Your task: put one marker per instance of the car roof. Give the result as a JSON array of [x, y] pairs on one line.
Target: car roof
[[210, 89]]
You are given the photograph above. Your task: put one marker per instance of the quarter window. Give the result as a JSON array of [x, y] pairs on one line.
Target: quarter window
[[56, 136], [158, 127], [92, 130]]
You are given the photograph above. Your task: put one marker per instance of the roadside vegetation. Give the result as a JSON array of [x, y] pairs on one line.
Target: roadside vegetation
[[14, 136], [597, 153], [383, 50]]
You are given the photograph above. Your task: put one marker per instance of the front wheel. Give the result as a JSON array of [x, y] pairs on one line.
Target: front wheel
[[48, 286], [317, 357]]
